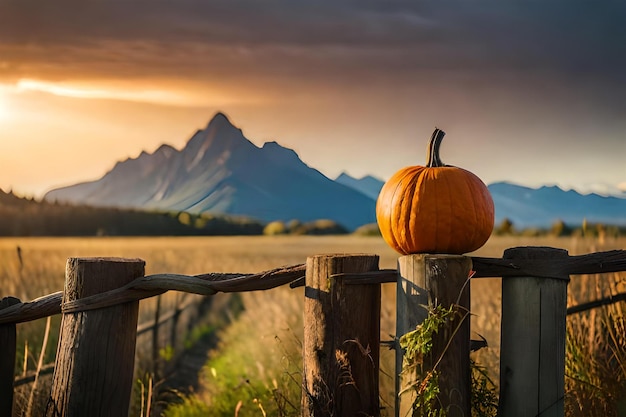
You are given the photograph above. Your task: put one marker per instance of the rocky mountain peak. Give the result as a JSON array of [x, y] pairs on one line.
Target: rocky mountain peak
[[219, 118], [220, 171], [166, 150], [220, 137]]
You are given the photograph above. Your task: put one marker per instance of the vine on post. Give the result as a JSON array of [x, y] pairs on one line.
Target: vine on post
[[417, 346]]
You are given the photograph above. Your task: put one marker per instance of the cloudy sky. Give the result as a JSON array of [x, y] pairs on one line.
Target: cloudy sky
[[532, 92]]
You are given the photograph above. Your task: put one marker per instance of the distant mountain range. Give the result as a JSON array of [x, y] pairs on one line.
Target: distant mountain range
[[542, 206], [532, 207], [222, 172]]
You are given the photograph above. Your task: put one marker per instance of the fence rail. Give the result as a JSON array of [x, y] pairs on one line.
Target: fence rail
[[212, 283], [519, 272]]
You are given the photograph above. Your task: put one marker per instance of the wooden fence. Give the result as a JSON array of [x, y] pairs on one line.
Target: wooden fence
[[163, 330], [96, 349]]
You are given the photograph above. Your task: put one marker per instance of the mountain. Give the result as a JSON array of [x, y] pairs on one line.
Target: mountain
[[220, 171], [530, 207], [542, 206], [368, 185]]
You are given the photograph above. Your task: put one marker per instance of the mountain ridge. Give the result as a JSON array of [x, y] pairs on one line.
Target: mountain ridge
[[220, 171], [533, 207]]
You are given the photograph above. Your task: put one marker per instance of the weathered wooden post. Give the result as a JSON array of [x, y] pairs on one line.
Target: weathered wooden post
[[341, 338], [94, 363], [7, 360], [532, 348], [425, 281]]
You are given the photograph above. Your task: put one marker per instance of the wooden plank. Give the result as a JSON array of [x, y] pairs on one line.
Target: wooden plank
[[532, 349], [591, 263], [38, 308], [612, 299], [93, 373], [429, 280], [32, 375], [7, 360], [341, 338]]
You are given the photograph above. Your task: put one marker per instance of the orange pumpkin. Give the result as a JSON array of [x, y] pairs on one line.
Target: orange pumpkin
[[435, 208]]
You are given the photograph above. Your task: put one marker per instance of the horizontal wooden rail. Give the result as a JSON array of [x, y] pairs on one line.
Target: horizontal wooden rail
[[150, 324], [142, 328], [150, 286], [593, 263], [597, 303], [41, 307], [211, 283], [30, 376]]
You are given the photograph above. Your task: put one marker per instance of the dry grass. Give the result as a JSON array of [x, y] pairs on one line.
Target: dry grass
[[42, 272]]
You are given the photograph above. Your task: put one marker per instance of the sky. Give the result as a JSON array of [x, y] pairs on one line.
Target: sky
[[531, 92]]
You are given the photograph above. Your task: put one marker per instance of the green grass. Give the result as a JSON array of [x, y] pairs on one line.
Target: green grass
[[255, 368], [262, 346]]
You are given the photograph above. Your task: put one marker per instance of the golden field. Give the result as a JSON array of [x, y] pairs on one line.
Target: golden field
[[42, 266]]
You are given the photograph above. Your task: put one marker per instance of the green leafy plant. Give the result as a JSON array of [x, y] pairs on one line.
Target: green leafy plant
[[484, 394], [418, 344]]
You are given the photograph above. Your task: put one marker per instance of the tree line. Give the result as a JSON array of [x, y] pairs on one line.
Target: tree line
[[561, 228], [29, 217]]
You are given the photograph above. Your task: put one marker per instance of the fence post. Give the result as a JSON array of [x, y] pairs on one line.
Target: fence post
[[8, 348], [94, 362], [428, 280], [532, 348], [341, 338]]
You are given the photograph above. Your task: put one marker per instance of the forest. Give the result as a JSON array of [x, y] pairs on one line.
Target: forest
[[29, 217]]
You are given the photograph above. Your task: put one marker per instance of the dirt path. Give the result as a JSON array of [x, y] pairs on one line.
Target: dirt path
[[184, 377]]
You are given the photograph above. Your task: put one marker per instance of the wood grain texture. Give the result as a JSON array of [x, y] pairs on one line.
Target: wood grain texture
[[38, 308], [532, 350], [7, 360], [558, 268], [94, 363], [428, 280], [341, 338]]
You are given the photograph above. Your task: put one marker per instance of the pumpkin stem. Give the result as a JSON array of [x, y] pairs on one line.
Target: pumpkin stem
[[433, 149]]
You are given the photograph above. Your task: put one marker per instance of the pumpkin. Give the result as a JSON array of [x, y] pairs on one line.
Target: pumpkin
[[435, 208]]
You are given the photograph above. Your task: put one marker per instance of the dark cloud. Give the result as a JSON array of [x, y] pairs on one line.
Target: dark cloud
[[514, 74], [319, 42]]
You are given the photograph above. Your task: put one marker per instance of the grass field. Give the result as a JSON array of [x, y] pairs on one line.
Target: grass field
[[272, 320]]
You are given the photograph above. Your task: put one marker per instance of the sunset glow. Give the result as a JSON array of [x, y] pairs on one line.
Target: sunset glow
[[89, 93], [522, 91], [106, 93], [4, 106]]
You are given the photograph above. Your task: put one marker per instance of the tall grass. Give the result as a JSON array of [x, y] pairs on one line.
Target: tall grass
[[255, 368], [596, 351], [247, 349], [39, 267]]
